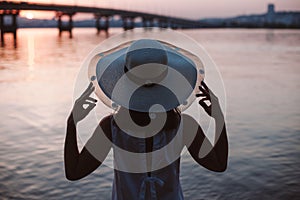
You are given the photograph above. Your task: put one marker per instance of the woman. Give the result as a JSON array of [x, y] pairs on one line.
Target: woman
[[148, 132]]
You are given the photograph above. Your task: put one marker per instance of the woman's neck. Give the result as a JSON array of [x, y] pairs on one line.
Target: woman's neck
[[143, 118]]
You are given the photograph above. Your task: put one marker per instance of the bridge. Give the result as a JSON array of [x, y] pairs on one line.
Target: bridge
[[102, 16]]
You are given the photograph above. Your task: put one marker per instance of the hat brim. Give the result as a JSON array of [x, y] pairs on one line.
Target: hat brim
[[170, 93]]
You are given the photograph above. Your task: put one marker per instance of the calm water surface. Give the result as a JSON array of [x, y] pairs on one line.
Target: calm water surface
[[261, 73]]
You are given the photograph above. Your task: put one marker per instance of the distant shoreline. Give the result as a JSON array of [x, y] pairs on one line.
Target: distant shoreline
[[276, 28], [278, 20]]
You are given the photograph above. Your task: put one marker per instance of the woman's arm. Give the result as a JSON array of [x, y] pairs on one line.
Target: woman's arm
[[79, 165], [213, 157]]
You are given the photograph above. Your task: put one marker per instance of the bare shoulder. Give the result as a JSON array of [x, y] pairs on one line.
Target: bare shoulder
[[105, 121]]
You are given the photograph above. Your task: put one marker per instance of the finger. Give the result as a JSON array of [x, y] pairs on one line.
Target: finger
[[91, 99], [205, 99], [203, 91], [89, 92], [83, 101], [205, 86], [201, 95], [207, 89], [203, 104], [90, 107], [88, 103], [87, 89]]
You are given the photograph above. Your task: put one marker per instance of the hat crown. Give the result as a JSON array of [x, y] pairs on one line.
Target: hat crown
[[146, 61], [145, 51]]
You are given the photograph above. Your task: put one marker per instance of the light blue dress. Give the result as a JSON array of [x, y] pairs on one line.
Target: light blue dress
[[163, 184]]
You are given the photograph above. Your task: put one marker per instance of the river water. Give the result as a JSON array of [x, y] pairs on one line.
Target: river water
[[261, 73]]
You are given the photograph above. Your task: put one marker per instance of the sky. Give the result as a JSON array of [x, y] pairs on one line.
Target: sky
[[191, 9]]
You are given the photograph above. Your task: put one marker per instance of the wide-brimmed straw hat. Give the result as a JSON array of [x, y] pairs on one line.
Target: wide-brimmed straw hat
[[146, 75]]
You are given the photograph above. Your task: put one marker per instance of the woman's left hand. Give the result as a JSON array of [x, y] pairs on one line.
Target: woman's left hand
[[213, 109]]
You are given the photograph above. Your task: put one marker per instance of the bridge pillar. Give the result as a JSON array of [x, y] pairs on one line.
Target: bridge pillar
[[102, 25], [173, 25], [148, 22], [65, 27], [163, 23], [128, 23], [8, 28]]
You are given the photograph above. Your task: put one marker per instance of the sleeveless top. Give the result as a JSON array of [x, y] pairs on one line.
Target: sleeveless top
[[163, 182]]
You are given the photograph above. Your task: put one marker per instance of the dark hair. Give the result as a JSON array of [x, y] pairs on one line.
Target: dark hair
[[143, 118]]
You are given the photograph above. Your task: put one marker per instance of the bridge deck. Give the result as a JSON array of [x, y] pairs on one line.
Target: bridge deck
[[84, 9]]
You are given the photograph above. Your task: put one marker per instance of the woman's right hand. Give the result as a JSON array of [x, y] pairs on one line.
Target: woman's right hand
[[84, 104]]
